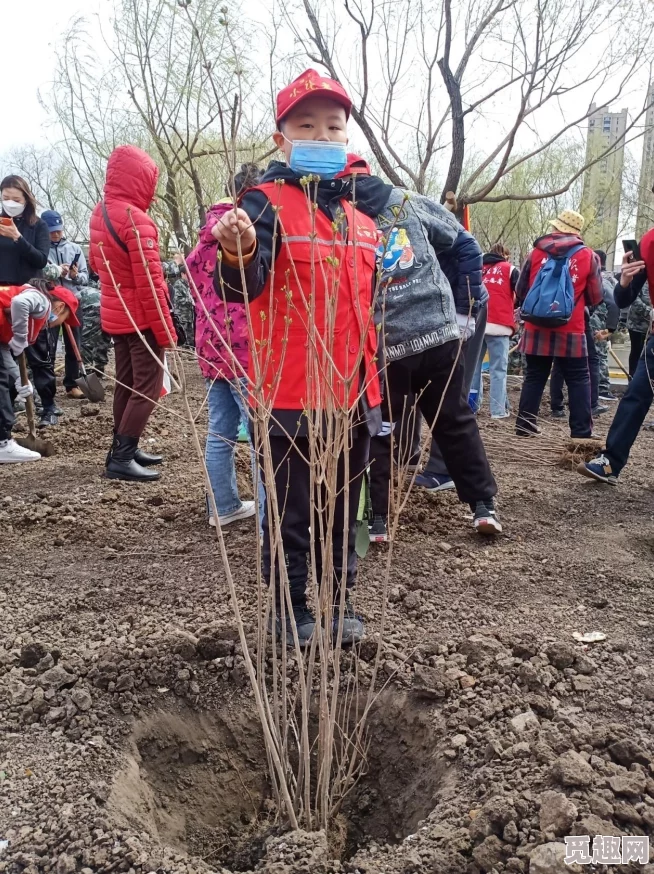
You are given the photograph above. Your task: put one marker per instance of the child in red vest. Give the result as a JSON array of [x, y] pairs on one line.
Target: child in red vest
[[303, 241], [26, 313]]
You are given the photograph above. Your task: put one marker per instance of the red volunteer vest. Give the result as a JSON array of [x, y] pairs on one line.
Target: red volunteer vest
[[647, 254], [7, 294], [497, 279], [312, 356]]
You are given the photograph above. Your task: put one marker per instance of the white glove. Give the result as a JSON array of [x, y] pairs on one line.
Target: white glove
[[24, 391], [466, 325], [17, 346]]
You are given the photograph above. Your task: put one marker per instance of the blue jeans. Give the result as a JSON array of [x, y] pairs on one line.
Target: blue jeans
[[631, 412], [226, 411], [498, 354]]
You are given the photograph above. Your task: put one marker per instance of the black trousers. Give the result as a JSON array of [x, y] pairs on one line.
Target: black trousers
[[557, 379], [300, 510], [7, 417], [405, 423], [577, 377], [632, 410], [71, 367], [40, 357], [424, 376], [470, 352], [637, 343]]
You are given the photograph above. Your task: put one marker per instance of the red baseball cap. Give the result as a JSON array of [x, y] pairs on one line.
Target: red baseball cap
[[355, 164], [310, 84], [67, 297]]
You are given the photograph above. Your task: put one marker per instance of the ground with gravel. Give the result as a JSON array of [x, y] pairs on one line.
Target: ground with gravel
[[128, 741]]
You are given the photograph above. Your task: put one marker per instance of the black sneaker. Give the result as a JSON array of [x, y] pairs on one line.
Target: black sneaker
[[599, 410], [378, 530], [305, 622], [528, 431], [353, 627], [486, 520], [558, 414], [607, 396], [47, 419]]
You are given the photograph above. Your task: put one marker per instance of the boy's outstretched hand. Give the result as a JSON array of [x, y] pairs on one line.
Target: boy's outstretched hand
[[235, 223]]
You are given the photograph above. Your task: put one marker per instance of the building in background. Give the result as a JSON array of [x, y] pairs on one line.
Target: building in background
[[603, 181], [645, 207]]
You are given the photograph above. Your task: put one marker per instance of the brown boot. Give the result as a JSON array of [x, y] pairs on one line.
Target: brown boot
[[75, 393]]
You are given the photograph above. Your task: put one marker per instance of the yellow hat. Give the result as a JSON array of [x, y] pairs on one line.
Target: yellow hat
[[568, 222]]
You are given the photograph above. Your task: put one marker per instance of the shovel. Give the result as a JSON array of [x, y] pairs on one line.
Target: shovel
[[43, 447], [620, 364], [88, 383]]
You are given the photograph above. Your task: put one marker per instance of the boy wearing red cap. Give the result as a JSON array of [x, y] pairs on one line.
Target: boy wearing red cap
[[302, 240]]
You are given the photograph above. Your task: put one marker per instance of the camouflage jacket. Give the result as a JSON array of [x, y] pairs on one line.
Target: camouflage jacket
[[640, 312]]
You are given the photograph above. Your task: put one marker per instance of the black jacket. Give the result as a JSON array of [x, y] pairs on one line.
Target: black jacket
[[624, 297], [462, 265], [26, 258]]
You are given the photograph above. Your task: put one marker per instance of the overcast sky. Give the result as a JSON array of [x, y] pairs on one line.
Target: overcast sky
[[32, 32], [31, 52]]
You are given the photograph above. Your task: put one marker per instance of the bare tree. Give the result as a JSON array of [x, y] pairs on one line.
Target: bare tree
[[155, 93], [53, 182], [486, 71]]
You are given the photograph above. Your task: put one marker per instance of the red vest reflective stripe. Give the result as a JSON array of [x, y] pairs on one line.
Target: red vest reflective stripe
[[7, 294], [497, 279], [317, 366]]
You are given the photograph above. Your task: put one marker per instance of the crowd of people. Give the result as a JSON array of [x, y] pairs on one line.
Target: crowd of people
[[325, 282]]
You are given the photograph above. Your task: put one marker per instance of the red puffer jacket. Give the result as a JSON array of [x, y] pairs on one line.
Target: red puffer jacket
[[128, 192]]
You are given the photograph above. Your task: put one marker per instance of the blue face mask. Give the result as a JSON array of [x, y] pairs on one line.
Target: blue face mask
[[322, 159]]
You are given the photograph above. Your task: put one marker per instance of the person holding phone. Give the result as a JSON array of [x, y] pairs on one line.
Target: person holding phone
[[636, 401], [24, 237], [24, 245], [74, 276]]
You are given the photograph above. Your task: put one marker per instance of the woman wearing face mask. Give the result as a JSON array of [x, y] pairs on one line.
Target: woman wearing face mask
[[24, 237]]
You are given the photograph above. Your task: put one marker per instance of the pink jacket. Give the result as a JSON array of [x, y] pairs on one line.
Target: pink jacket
[[214, 358]]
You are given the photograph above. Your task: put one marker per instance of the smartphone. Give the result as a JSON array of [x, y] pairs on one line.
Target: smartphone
[[73, 263], [632, 246], [5, 220]]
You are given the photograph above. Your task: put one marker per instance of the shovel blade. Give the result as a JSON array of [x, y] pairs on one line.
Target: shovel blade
[[91, 387], [43, 447]]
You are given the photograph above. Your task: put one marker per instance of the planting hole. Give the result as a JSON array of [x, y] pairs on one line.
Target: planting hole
[[198, 782]]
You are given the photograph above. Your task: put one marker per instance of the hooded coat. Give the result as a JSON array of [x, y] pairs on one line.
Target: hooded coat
[[129, 190]]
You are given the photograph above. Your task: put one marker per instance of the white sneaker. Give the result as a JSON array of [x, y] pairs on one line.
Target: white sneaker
[[245, 511], [12, 453]]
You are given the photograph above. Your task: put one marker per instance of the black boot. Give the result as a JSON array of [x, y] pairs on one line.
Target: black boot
[[114, 444], [121, 464], [146, 459]]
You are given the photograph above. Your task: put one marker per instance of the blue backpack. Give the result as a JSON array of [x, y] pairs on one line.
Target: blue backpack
[[550, 301]]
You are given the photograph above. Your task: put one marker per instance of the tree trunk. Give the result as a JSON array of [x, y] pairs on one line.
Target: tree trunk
[[172, 201], [197, 189], [458, 131]]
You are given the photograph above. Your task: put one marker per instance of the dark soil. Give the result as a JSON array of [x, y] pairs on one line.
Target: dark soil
[[127, 744]]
